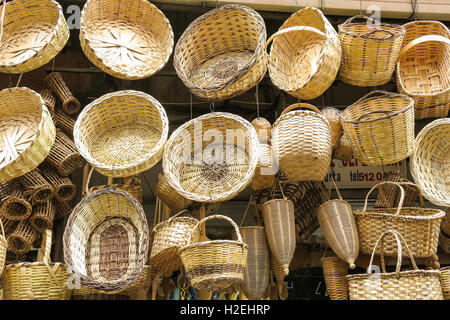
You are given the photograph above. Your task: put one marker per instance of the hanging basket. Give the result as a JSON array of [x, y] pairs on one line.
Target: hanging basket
[[305, 56], [445, 226], [265, 174], [64, 156], [334, 271], [263, 129], [333, 117], [34, 32], [169, 195], [445, 282], [22, 238], [14, 203], [344, 149], [42, 216], [70, 104]]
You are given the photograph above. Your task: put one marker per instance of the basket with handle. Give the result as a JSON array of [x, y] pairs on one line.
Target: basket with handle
[[380, 127], [132, 185], [369, 51], [265, 174], [305, 55], [445, 282], [419, 226], [13, 201], [334, 271], [168, 195], [3, 248], [333, 117], [388, 196], [399, 285], [21, 239], [344, 149], [423, 66], [55, 82], [301, 141], [215, 265]]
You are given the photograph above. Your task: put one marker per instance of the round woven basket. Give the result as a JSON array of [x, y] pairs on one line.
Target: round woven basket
[[122, 133], [221, 54], [169, 196], [26, 124], [42, 29], [333, 117], [211, 172], [265, 174], [128, 39], [133, 187], [263, 128]]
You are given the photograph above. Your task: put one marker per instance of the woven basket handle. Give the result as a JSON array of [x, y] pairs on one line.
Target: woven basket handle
[[378, 185], [295, 28], [419, 191], [3, 229], [46, 247], [420, 40], [235, 226], [377, 93], [300, 105], [179, 214], [387, 114], [367, 34]]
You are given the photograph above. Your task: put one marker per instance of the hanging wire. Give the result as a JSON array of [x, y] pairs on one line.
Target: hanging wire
[[10, 82], [211, 107], [415, 10], [257, 101], [296, 6], [360, 7], [191, 106], [322, 5], [53, 64], [20, 78]]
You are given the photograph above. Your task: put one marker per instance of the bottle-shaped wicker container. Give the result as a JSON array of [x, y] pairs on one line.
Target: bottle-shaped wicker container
[[14, 203], [70, 104], [64, 156]]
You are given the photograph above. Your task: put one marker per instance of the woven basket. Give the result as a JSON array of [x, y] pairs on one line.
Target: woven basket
[[419, 226], [55, 82], [265, 174], [64, 189], [429, 163], [301, 141], [169, 196], [14, 205], [133, 187], [445, 226], [263, 129], [389, 195], [444, 243], [64, 156], [305, 56], [22, 238], [445, 282], [168, 237], [206, 176], [42, 216], [64, 122], [215, 265], [122, 133], [3, 248], [38, 189], [369, 52], [333, 117], [399, 285], [43, 32], [128, 39], [62, 209], [344, 149], [423, 66], [221, 54], [380, 126], [26, 124], [50, 101], [334, 272]]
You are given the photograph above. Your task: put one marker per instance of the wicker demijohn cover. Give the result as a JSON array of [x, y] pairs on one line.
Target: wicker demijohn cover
[[334, 272]]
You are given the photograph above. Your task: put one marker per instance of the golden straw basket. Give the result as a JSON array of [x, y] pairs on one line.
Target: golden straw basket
[[169, 195], [334, 271]]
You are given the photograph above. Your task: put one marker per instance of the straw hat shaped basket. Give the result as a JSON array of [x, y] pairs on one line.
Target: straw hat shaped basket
[[26, 124], [221, 54], [423, 67], [210, 172], [128, 39], [419, 226], [215, 265], [33, 33], [399, 285], [122, 133], [305, 56], [380, 127], [429, 163]]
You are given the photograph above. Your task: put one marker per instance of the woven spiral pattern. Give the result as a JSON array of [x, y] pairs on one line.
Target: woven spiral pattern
[[334, 271]]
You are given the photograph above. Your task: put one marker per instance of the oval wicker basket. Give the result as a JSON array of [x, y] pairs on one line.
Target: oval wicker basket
[[128, 39], [306, 54], [26, 124], [221, 54], [122, 133], [34, 32], [169, 196]]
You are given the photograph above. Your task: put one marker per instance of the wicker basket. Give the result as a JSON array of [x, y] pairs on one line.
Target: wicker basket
[[3, 248], [64, 122], [380, 126], [263, 129], [132, 186], [22, 238], [215, 265], [333, 117], [445, 226], [38, 189], [423, 66], [62, 209], [221, 54], [399, 285], [70, 104], [26, 124], [50, 101], [369, 52], [64, 189], [265, 174], [301, 141], [344, 149], [64, 156], [122, 133], [334, 271], [42, 216], [169, 196], [444, 243], [305, 56], [429, 163], [14, 205], [128, 39], [389, 195], [445, 282], [419, 226], [168, 237], [206, 176], [43, 32]]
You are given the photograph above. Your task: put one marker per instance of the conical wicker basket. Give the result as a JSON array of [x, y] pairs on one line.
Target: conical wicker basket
[[334, 271], [265, 173], [168, 195]]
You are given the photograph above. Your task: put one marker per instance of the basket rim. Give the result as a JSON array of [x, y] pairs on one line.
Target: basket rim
[[408, 273], [274, 200], [34, 264], [294, 113], [438, 214], [167, 222], [334, 200], [399, 28], [213, 243]]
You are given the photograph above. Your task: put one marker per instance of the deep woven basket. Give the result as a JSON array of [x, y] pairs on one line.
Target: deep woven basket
[[168, 195], [21, 239], [265, 173], [132, 186], [333, 117], [334, 271], [344, 149], [263, 129]]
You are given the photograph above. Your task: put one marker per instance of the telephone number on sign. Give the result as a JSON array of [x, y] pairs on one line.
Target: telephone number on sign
[[365, 176]]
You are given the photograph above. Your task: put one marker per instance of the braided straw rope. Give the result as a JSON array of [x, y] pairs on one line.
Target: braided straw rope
[[445, 282], [55, 82], [169, 195], [14, 205], [34, 32], [334, 271]]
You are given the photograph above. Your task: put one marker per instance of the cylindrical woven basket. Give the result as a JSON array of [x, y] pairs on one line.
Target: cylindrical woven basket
[[306, 54], [26, 124], [265, 174], [122, 133], [55, 82], [380, 126], [198, 173], [369, 51], [50, 101], [14, 203], [215, 265], [128, 39], [444, 243], [334, 271], [301, 141], [62, 209], [64, 189], [344, 149], [263, 129], [64, 122], [168, 195], [221, 54], [22, 238], [429, 163], [42, 216], [3, 248], [423, 66], [64, 155], [333, 117], [445, 282], [37, 187], [445, 226], [43, 32], [389, 195]]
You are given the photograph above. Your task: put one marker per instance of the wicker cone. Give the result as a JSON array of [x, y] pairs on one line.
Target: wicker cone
[[301, 141], [42, 217], [444, 243], [26, 124], [369, 52], [380, 126], [216, 265], [429, 163], [399, 285], [334, 271], [333, 117], [305, 56], [22, 238], [263, 129], [445, 282], [55, 82], [169, 195], [64, 189], [64, 156], [3, 248], [389, 195], [62, 209], [64, 122], [445, 226], [37, 187], [344, 149], [423, 66], [14, 205], [50, 101], [221, 54], [265, 176], [43, 32]]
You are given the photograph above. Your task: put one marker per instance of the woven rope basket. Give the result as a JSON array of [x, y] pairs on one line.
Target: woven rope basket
[[128, 39], [34, 32], [445, 282], [221, 54], [334, 271], [265, 174], [429, 163], [206, 176], [169, 196], [305, 56], [122, 133], [423, 66], [14, 203]]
